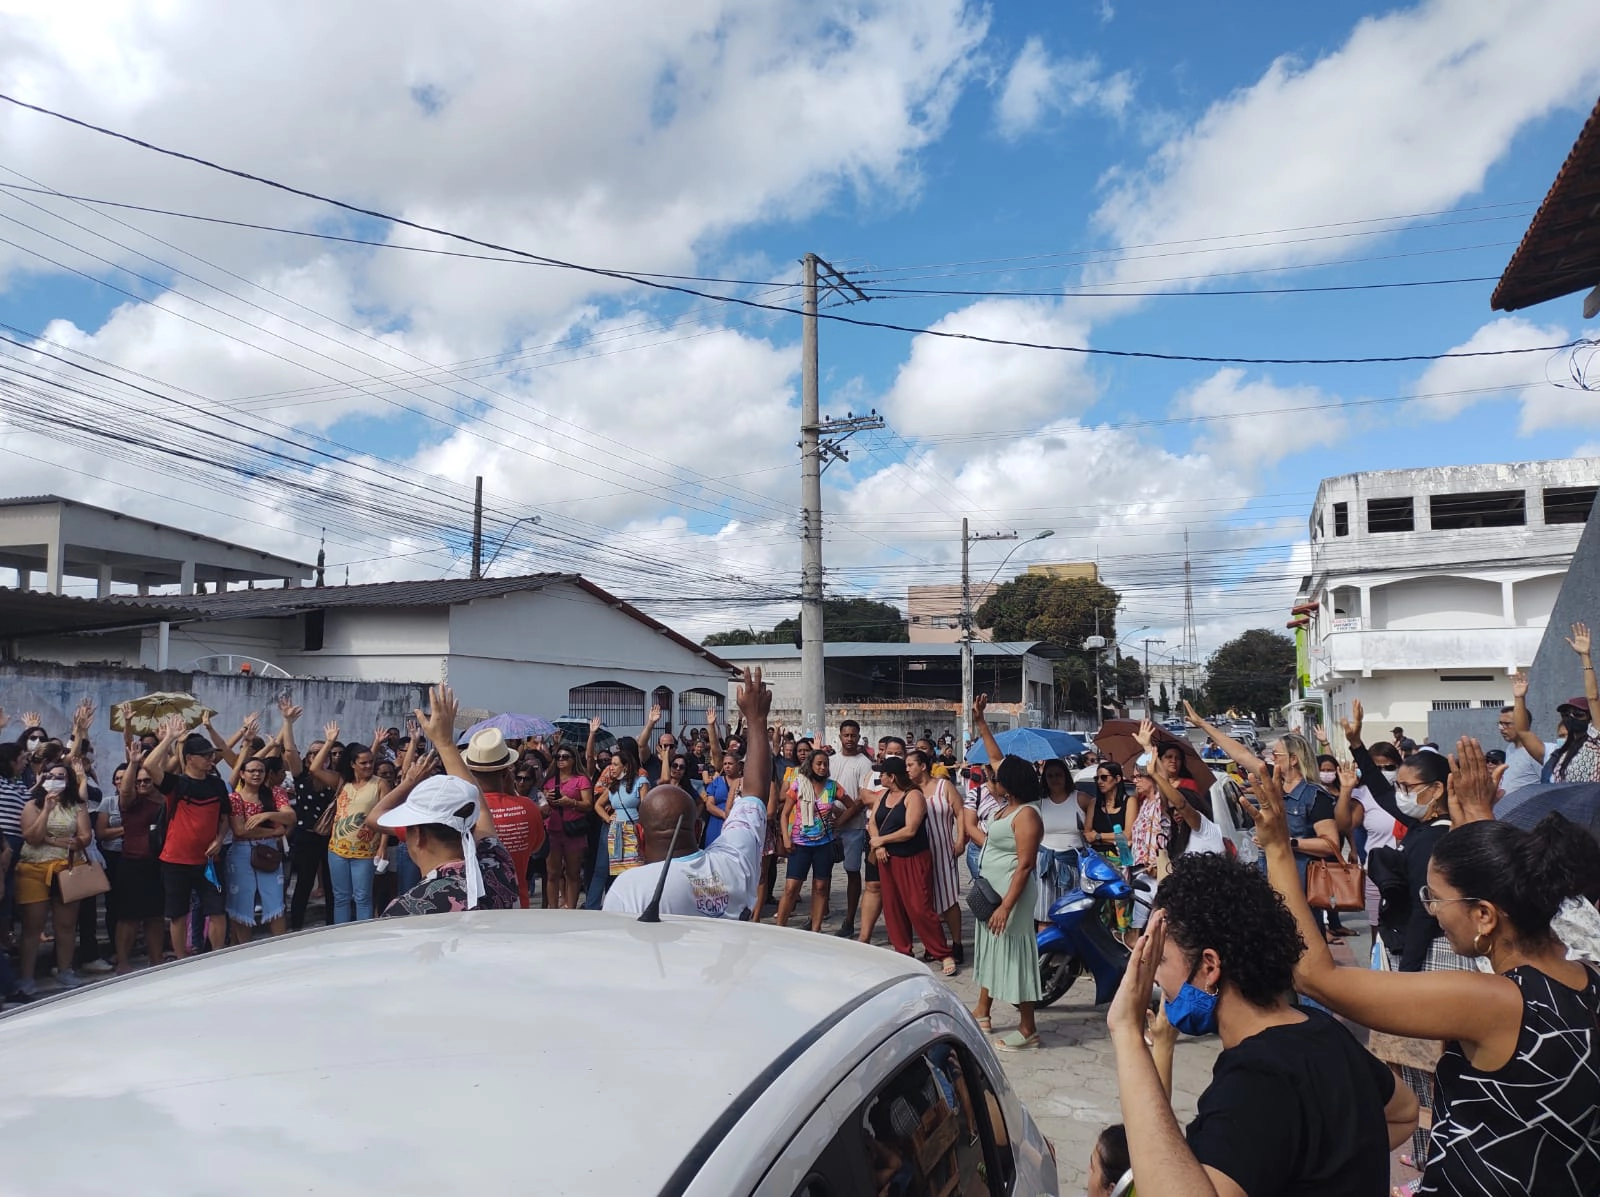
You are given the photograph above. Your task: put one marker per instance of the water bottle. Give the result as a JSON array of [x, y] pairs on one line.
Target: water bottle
[[1124, 851]]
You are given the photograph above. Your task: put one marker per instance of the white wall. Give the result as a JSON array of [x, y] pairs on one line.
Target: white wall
[[1437, 602], [1534, 598]]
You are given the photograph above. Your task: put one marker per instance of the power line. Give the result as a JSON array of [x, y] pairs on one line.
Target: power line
[[641, 280]]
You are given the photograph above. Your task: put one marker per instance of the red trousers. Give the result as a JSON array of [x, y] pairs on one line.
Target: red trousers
[[907, 885]]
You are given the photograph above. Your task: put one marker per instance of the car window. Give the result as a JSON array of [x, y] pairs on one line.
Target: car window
[[933, 1129]]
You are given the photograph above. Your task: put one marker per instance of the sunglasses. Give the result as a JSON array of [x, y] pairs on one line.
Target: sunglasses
[[565, 756]]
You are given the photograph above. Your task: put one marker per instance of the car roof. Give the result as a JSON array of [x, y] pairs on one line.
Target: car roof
[[575, 1051]]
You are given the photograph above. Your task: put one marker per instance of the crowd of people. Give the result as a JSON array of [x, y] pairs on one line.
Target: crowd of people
[[1478, 1006]]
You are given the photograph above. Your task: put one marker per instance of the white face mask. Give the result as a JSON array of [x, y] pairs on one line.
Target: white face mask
[[54, 785], [36, 742], [1390, 774], [1327, 779], [1408, 804]]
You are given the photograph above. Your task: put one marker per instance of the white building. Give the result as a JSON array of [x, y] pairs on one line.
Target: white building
[[1432, 586], [544, 644]]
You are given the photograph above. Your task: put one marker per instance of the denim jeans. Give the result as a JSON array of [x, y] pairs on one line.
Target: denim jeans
[[974, 854], [596, 893], [352, 887]]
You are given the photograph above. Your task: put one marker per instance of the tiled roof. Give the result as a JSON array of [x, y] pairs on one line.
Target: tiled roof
[[36, 613], [1560, 253]]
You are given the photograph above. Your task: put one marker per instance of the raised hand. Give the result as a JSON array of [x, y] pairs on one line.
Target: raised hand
[[1471, 787], [1126, 1019], [1272, 825], [1348, 775], [83, 716], [439, 721], [1146, 735], [754, 698], [32, 719], [711, 718], [1194, 716], [1322, 735], [1519, 685], [980, 704], [173, 726], [125, 714], [655, 713], [330, 731], [594, 723], [1578, 642], [1352, 726]]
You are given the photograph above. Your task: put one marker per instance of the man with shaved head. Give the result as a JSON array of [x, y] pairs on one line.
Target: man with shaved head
[[717, 882]]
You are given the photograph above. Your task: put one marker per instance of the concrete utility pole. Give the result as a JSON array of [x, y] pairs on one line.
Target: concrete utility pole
[[815, 452], [477, 530], [1148, 641]]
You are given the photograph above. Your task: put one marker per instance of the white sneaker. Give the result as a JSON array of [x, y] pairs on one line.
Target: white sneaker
[[68, 979], [26, 987], [98, 966]]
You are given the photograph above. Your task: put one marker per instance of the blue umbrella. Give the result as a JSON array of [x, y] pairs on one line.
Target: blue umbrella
[[512, 727], [1031, 744]]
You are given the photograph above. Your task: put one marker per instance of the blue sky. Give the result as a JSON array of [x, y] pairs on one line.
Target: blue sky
[[1040, 147]]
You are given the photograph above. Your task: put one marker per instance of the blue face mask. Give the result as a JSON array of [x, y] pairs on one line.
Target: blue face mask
[[1193, 1011]]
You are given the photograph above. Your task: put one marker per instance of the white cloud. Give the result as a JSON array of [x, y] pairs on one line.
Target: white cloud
[[1256, 423], [950, 387], [1038, 86], [1542, 382], [1407, 116]]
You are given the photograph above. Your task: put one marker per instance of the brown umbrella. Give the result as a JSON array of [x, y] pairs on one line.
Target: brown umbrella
[[1117, 739], [149, 712]]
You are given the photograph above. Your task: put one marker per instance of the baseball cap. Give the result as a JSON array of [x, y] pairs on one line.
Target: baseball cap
[[453, 802], [194, 744], [1579, 704]]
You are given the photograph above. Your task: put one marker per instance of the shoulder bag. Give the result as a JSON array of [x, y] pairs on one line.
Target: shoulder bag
[[85, 879], [265, 856], [983, 900], [1335, 884]]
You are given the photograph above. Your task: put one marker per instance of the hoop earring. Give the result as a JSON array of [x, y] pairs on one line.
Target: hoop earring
[[1476, 950]]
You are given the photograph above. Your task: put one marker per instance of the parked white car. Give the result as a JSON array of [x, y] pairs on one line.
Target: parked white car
[[516, 1051]]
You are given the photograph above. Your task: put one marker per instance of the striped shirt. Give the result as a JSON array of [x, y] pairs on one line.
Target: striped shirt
[[13, 797]]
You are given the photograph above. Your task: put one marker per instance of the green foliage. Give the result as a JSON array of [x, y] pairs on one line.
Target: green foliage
[[1162, 704], [1060, 610], [1130, 678], [856, 619], [1251, 673]]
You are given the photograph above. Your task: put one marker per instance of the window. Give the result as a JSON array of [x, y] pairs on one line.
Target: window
[[1568, 504], [1341, 519], [1485, 509], [1391, 515], [693, 705], [947, 621], [1452, 704], [315, 622], [1492, 704], [1466, 677], [617, 704], [933, 1127]]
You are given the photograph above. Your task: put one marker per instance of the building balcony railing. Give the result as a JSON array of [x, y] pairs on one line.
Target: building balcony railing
[[1354, 650]]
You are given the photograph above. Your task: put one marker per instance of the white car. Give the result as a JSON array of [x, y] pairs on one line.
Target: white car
[[516, 1051]]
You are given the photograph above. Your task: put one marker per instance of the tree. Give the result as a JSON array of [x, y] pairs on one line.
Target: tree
[[1252, 673], [853, 619], [1162, 704], [1130, 678], [1060, 610]]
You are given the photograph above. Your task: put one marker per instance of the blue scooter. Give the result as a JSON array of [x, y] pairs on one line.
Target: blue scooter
[[1077, 937]]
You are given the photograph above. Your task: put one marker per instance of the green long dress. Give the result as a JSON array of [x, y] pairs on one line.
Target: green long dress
[[1008, 964]]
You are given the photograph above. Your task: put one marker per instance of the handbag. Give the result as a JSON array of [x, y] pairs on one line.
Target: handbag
[[622, 845], [324, 825], [265, 856], [85, 879], [1335, 884], [983, 900]]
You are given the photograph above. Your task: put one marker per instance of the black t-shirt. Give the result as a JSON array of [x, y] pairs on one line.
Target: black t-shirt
[[1297, 1109], [1321, 808]]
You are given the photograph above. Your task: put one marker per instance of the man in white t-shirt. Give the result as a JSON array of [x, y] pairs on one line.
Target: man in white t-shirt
[[851, 769], [1523, 764], [716, 882]]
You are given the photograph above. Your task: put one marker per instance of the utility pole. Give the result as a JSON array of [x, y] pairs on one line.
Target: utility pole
[[477, 531], [814, 453], [1148, 641]]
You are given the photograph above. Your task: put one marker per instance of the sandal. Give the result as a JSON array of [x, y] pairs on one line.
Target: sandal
[[950, 967], [1016, 1041], [985, 1023]]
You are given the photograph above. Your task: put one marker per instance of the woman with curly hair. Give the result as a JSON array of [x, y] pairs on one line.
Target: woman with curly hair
[[1295, 1104]]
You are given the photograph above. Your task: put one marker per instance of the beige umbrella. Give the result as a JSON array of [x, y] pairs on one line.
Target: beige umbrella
[[148, 713]]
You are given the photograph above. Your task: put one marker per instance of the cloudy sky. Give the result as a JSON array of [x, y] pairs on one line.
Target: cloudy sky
[[1102, 174]]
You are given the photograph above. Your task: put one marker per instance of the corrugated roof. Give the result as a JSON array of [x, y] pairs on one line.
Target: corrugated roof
[[855, 648], [26, 613], [291, 600], [1560, 253]]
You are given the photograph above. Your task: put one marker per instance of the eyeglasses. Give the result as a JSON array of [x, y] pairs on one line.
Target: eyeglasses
[[1431, 903], [565, 756]]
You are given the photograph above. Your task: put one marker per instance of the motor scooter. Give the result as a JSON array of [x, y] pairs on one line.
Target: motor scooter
[[1077, 937]]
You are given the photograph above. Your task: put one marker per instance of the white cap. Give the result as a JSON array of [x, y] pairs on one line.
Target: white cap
[[443, 800]]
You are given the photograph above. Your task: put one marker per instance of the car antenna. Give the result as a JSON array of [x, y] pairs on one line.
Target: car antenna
[[652, 912]]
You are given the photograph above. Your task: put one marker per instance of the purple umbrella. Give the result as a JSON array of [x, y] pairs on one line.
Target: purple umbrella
[[512, 727]]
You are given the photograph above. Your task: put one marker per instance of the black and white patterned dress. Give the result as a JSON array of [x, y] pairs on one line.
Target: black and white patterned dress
[[1533, 1126]]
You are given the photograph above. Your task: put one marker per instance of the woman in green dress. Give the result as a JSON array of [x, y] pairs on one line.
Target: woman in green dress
[[1007, 950]]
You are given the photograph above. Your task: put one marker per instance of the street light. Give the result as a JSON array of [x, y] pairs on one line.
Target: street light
[[966, 614]]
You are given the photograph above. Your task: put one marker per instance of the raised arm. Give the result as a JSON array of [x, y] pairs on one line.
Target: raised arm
[[291, 754], [156, 764], [1176, 798], [650, 726], [1579, 643], [755, 703], [1348, 814], [439, 725], [81, 720], [980, 704], [320, 773], [1521, 721], [716, 742], [1237, 752]]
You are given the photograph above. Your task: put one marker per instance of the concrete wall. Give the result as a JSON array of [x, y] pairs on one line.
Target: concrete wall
[[55, 690], [1556, 674]]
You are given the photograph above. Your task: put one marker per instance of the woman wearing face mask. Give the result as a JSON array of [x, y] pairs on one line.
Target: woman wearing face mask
[[55, 825], [1516, 1102], [13, 797], [1577, 756], [1409, 937], [1295, 1104], [32, 738]]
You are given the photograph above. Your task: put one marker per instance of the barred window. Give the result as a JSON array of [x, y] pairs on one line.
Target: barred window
[[616, 703]]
